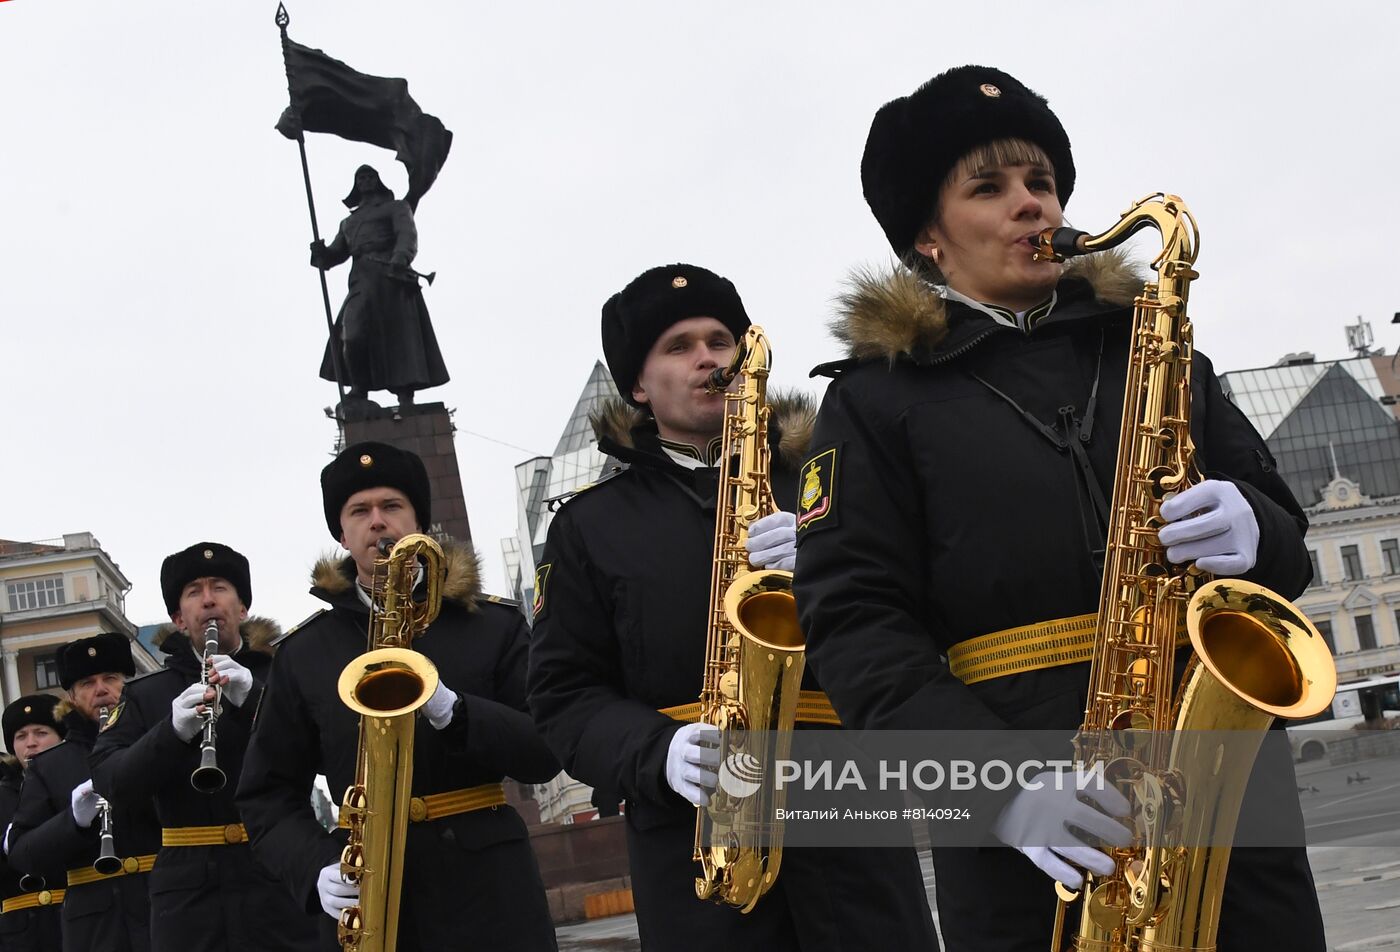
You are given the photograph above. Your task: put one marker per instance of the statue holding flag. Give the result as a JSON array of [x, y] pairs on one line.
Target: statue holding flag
[[386, 338], [383, 338]]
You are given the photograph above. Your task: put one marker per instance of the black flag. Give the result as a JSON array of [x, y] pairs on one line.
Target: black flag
[[328, 96]]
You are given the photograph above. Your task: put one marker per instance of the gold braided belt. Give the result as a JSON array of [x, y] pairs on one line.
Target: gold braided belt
[[228, 835], [130, 866], [813, 707], [434, 806], [44, 897], [1044, 644]]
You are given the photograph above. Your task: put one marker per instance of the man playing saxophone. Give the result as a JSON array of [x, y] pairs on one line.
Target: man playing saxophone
[[621, 606], [469, 876], [56, 830], [208, 892], [967, 450]]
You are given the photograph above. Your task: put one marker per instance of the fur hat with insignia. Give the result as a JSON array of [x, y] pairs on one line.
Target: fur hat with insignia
[[915, 142], [636, 316], [368, 466], [99, 654], [31, 709], [204, 560]]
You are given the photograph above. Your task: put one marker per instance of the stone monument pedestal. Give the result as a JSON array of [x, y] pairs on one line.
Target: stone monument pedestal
[[425, 429]]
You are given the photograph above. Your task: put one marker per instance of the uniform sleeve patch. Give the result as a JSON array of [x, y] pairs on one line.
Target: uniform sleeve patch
[[112, 718], [541, 583], [816, 492]]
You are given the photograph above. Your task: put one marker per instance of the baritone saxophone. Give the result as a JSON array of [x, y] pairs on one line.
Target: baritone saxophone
[[386, 686], [1255, 656]]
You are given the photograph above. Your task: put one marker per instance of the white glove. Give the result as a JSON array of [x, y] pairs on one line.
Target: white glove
[[186, 720], [84, 802], [239, 681], [1213, 525], [336, 894], [438, 709], [1038, 823], [692, 762], [772, 542]]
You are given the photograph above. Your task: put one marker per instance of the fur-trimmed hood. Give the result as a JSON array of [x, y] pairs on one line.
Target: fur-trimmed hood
[[894, 313], [794, 412], [259, 633], [334, 575]]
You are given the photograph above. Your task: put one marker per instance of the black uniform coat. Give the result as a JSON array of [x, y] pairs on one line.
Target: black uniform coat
[[950, 515], [470, 880], [622, 598], [22, 930], [203, 898], [110, 915]]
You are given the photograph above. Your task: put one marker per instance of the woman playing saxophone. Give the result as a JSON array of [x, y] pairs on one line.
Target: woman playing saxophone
[[964, 462]]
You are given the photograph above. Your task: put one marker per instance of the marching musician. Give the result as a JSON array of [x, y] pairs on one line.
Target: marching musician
[[208, 892], [621, 606], [961, 464], [470, 877], [56, 832], [29, 922]]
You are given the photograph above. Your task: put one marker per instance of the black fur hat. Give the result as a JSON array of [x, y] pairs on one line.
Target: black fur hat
[[85, 657], [916, 140], [204, 560], [368, 465], [636, 316], [31, 709]]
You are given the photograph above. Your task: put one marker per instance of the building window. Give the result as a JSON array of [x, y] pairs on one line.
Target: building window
[[36, 593], [1324, 628], [1351, 563], [46, 672], [1390, 555], [1316, 569], [1365, 632]]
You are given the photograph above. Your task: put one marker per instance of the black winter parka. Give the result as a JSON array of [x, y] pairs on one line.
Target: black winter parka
[[621, 607], [203, 898], [112, 914], [472, 874], [949, 507]]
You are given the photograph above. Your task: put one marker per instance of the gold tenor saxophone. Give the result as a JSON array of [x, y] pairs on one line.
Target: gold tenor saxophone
[[754, 652], [208, 777], [386, 686], [107, 861], [1255, 656]]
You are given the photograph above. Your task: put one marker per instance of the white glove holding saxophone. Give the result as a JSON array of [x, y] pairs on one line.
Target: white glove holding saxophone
[[772, 542], [236, 680], [1045, 823], [438, 708], [1213, 525], [84, 802], [335, 893], [184, 711], [692, 762]]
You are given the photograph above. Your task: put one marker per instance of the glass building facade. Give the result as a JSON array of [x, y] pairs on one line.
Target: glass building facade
[[1321, 418], [541, 481]]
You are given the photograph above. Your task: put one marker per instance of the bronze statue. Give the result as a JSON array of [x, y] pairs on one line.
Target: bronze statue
[[383, 329]]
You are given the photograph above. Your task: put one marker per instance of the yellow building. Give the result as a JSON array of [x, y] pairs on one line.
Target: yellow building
[[53, 592]]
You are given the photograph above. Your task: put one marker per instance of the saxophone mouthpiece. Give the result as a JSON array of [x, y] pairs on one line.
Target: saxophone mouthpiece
[[386, 545], [1057, 244]]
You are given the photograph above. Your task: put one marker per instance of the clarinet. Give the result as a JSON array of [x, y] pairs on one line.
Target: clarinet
[[207, 777], [107, 862]]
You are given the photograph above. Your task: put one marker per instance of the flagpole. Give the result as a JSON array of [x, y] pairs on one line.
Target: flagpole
[[282, 19]]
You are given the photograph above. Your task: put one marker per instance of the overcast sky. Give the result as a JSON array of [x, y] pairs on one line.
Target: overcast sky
[[162, 329]]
